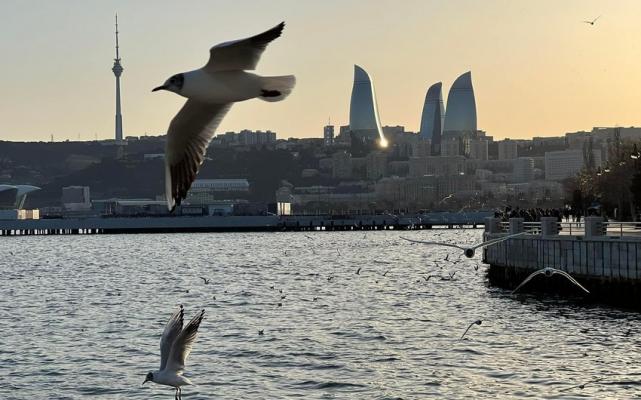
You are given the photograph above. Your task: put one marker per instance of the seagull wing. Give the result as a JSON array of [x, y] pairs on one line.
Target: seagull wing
[[241, 54], [181, 347], [558, 271], [434, 243], [468, 328], [172, 330], [529, 278], [188, 136], [596, 19], [495, 241]]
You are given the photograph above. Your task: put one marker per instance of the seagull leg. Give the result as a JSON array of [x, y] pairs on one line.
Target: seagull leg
[[180, 393], [176, 396]]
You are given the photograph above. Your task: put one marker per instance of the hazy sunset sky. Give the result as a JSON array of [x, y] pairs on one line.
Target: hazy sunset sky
[[537, 69]]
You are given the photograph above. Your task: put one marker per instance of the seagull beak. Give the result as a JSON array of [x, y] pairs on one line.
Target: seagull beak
[[146, 380], [163, 87]]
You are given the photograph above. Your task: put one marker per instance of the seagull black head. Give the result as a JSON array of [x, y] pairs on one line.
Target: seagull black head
[[173, 84], [469, 253], [149, 378]]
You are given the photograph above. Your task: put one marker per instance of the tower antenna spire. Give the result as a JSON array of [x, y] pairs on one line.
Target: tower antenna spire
[[117, 53]]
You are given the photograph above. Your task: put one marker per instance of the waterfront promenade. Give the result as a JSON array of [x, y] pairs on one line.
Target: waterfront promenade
[[604, 257]]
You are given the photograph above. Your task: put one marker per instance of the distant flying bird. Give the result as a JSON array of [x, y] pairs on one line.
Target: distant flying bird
[[427, 278], [451, 278], [449, 196], [467, 251], [210, 92], [548, 272], [593, 21], [447, 257], [581, 386], [385, 273], [477, 322], [175, 346], [358, 271], [205, 280]]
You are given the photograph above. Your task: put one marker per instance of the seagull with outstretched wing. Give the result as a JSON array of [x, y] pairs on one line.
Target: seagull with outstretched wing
[[477, 322], [548, 272], [210, 92], [175, 346], [593, 21], [467, 251]]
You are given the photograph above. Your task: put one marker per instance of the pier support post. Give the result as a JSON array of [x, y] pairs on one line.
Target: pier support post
[[549, 226], [593, 226], [492, 225], [516, 225]]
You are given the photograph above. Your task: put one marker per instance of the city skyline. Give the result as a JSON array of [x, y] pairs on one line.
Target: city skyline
[[550, 73]]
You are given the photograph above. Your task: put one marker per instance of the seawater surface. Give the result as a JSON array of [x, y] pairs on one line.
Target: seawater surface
[[81, 317]]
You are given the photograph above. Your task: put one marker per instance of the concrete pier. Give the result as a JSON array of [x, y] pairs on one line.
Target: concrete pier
[[608, 266], [168, 224]]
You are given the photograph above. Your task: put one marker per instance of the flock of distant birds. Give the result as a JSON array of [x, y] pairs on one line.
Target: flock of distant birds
[[176, 342]]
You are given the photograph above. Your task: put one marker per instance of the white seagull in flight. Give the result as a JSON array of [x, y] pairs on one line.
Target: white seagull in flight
[[593, 21], [548, 272], [175, 346], [210, 92], [467, 251]]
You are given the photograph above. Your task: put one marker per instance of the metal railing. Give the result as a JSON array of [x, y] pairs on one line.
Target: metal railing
[[610, 228]]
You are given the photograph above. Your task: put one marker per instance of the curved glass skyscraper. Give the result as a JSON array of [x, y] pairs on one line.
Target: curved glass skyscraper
[[363, 110], [433, 116], [461, 106]]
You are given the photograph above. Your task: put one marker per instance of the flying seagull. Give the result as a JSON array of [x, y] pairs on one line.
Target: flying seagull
[[582, 386], [444, 199], [477, 322], [205, 280], [210, 92], [548, 272], [175, 346], [593, 21], [467, 251]]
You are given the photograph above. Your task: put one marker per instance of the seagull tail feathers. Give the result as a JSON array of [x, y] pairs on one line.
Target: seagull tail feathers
[[276, 88], [171, 203]]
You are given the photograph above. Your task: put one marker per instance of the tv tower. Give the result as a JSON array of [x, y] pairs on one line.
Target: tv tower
[[117, 70]]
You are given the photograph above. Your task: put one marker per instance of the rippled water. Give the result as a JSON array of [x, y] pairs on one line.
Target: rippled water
[[81, 317]]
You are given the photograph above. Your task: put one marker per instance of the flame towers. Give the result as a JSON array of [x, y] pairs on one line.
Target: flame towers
[[432, 117], [460, 113], [117, 70], [363, 110]]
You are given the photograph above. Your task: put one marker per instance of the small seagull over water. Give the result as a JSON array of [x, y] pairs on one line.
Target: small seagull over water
[[548, 272], [593, 21], [205, 280], [210, 92], [477, 322], [175, 346], [581, 386], [467, 251]]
